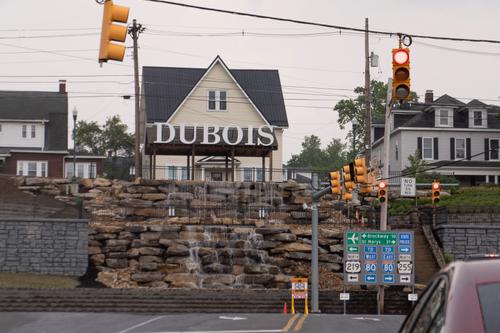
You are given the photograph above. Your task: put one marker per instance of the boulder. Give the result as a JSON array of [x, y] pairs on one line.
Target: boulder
[[136, 228], [297, 247], [332, 258], [183, 280], [150, 251], [338, 248], [134, 189], [150, 236], [261, 269], [282, 237], [263, 279], [148, 266], [298, 256], [117, 242], [147, 259], [98, 259], [86, 183], [226, 279], [272, 230], [177, 250], [164, 228], [126, 235], [154, 196], [150, 212], [94, 250], [117, 255], [133, 253], [181, 196], [217, 268], [103, 182], [116, 263], [108, 229], [135, 203], [147, 277]]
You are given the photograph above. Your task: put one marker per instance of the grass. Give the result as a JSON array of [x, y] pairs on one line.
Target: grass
[[465, 200], [28, 280]]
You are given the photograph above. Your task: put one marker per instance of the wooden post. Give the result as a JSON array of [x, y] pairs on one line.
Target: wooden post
[[150, 166], [154, 162], [232, 165], [271, 166], [227, 166], [188, 166], [193, 152], [263, 167]]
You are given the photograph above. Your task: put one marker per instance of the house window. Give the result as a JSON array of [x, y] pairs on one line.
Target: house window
[[83, 169], [24, 131], [459, 149], [478, 118], [494, 143], [444, 118], [33, 131], [258, 175], [247, 174], [397, 151], [32, 168], [184, 173], [172, 172], [427, 147], [217, 100]]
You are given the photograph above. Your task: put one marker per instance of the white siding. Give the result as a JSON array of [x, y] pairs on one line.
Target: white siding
[[11, 135]]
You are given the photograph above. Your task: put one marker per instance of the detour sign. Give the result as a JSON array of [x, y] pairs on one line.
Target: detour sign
[[299, 291]]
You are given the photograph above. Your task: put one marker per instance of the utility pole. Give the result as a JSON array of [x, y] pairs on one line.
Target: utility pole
[[134, 31], [385, 176], [367, 113]]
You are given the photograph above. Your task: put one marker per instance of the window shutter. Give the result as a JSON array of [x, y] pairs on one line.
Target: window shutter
[[436, 149], [452, 148], [419, 147], [468, 151], [486, 149], [471, 119]]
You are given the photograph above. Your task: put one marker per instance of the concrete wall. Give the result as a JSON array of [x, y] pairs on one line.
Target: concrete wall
[[47, 246]]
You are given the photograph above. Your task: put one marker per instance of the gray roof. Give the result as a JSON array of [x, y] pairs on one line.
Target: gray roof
[[447, 100], [165, 88], [39, 105], [470, 164]]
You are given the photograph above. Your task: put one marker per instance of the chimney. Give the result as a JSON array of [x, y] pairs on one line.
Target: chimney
[[62, 86], [429, 97]]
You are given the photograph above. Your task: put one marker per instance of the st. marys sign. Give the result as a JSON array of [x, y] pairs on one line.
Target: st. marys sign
[[232, 135]]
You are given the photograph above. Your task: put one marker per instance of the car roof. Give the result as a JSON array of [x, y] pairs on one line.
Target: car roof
[[477, 271]]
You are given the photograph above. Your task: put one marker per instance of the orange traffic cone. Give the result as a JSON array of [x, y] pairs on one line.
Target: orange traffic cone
[[284, 309]]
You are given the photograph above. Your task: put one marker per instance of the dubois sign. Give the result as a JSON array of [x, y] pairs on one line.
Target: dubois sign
[[232, 135]]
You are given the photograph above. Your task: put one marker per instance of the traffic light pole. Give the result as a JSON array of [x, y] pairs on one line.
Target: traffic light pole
[[367, 122], [134, 31], [385, 176], [314, 253]]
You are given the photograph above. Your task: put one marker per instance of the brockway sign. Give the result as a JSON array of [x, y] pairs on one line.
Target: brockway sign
[[232, 135]]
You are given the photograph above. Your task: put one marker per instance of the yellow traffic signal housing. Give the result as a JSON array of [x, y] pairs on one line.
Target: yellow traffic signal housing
[[347, 196], [113, 32], [348, 177], [335, 182], [436, 192], [382, 192], [401, 74], [365, 189], [360, 171]]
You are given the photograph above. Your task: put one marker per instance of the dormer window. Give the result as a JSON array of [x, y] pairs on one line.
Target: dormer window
[[217, 100], [478, 118], [444, 118]]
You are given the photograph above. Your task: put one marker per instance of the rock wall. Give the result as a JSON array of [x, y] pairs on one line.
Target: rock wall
[[207, 256], [47, 246]]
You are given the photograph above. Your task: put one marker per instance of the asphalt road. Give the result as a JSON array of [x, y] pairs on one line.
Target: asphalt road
[[42, 322]]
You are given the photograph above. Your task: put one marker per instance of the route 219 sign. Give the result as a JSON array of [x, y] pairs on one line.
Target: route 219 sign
[[379, 257]]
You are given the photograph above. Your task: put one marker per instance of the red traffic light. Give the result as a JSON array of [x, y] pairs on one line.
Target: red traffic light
[[400, 57]]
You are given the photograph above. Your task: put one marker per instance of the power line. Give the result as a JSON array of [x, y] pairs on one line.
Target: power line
[[376, 32], [49, 36]]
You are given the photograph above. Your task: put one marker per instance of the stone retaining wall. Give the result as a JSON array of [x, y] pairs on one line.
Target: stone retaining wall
[[463, 240], [47, 246]]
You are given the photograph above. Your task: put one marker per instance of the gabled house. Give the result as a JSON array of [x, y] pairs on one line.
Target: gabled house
[[213, 123], [455, 137], [34, 136]]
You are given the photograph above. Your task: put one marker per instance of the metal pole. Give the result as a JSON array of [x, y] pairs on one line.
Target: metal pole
[[385, 175], [74, 143], [314, 260]]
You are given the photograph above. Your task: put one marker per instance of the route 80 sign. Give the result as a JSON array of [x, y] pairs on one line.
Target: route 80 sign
[[379, 257]]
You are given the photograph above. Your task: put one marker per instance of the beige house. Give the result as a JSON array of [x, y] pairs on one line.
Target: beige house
[[213, 123]]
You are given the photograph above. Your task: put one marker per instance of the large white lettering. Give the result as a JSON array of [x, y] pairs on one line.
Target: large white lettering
[[183, 134], [214, 134], [225, 135], [159, 133], [210, 131], [265, 134]]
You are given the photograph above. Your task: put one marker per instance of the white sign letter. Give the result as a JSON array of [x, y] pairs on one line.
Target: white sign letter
[[159, 133], [225, 135], [267, 135], [207, 133], [183, 134]]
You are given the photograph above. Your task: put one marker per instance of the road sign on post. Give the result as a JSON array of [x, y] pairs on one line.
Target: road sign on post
[[299, 291], [379, 257], [408, 187]]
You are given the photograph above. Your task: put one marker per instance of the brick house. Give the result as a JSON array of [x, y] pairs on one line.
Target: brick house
[[34, 136]]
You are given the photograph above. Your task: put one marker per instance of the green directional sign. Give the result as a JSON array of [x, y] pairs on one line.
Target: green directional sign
[[352, 249], [378, 238], [353, 238]]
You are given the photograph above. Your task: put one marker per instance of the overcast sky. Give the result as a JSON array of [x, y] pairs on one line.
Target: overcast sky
[[183, 37]]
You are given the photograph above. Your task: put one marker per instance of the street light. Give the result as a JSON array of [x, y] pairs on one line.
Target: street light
[[75, 115]]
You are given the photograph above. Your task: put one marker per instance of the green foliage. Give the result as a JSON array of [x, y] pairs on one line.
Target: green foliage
[[349, 109], [448, 257], [313, 157], [111, 138]]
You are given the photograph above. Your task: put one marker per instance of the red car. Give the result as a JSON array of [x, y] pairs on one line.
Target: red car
[[463, 297]]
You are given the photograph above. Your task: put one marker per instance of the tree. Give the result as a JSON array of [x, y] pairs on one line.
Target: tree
[[349, 109], [111, 138], [312, 157], [115, 137], [89, 137], [417, 165]]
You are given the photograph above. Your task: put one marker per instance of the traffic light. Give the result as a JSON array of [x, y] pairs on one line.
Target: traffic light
[[113, 32], [436, 192], [335, 182], [360, 171], [348, 177], [347, 196], [401, 74], [382, 192]]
